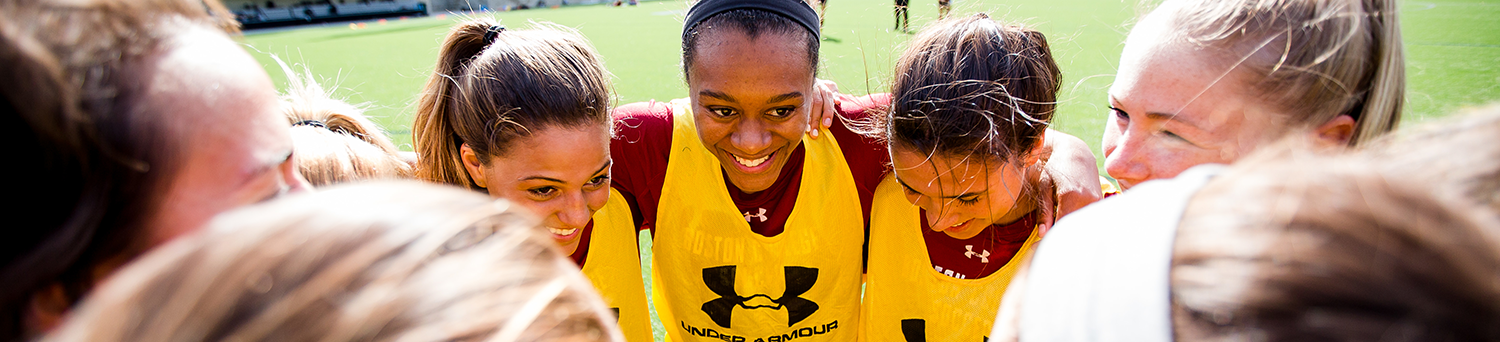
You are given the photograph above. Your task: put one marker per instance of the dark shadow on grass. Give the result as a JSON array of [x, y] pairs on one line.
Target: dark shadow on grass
[[832, 39], [375, 31]]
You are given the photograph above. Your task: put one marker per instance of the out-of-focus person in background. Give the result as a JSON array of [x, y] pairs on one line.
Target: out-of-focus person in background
[[523, 114], [334, 140], [1204, 82], [135, 122], [381, 261], [1289, 244]]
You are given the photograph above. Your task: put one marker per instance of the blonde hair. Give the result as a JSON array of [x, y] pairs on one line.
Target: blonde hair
[[1316, 59], [493, 85], [334, 141], [402, 261], [1298, 245]]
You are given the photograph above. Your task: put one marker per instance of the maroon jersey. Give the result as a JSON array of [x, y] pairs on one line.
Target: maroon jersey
[[643, 141], [981, 255]]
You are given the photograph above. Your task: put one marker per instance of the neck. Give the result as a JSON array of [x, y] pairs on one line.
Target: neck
[[1028, 201]]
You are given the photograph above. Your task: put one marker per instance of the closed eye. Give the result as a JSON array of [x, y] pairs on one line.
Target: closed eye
[[1119, 113]]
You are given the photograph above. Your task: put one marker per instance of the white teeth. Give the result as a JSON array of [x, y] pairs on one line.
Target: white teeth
[[959, 224], [562, 231], [751, 162]]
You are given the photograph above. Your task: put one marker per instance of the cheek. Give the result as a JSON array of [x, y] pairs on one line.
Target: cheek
[[597, 198]]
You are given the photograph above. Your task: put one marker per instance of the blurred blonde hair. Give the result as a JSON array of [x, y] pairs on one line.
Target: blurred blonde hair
[[400, 261], [333, 140], [1316, 59]]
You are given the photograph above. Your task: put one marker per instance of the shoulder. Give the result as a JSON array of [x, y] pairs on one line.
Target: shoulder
[[637, 121]]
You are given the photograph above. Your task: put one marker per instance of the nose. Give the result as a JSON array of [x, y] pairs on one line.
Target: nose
[[295, 182], [751, 136], [1125, 159], [941, 218], [575, 211]]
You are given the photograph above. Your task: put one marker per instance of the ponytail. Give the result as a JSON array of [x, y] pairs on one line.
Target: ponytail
[[1387, 93], [436, 141], [493, 85]]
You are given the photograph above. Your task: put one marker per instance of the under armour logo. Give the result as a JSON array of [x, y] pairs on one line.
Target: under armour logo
[[720, 280], [915, 330], [983, 257], [761, 215]]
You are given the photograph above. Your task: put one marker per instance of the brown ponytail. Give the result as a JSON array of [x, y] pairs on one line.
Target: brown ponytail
[[972, 86], [493, 85]]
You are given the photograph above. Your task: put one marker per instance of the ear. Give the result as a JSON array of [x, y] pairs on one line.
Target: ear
[[473, 165], [1039, 153], [1336, 132], [48, 307]]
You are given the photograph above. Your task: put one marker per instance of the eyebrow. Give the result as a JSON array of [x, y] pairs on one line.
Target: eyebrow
[[773, 99], [555, 180], [909, 188], [1173, 117], [265, 166]]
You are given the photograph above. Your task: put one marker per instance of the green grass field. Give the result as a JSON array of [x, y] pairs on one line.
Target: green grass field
[[1452, 49]]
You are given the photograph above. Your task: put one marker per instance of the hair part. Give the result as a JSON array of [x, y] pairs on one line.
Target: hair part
[[1314, 59], [487, 93], [753, 23], [971, 86]]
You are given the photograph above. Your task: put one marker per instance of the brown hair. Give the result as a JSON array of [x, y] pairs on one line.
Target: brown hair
[[1302, 246], [335, 142], [493, 85], [1458, 155], [972, 86], [371, 262], [1316, 59], [98, 157]]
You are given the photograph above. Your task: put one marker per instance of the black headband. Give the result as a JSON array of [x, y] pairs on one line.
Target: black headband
[[796, 10]]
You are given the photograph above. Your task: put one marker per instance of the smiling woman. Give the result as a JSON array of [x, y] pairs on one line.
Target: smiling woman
[[1211, 81], [524, 115], [745, 205]]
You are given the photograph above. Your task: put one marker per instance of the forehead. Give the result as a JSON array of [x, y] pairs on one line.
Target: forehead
[[206, 88], [729, 56], [556, 152], [950, 174]]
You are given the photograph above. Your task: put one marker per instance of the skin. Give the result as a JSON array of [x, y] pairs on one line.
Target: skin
[[1175, 105], [751, 100], [559, 173], [241, 152], [208, 92], [963, 195]]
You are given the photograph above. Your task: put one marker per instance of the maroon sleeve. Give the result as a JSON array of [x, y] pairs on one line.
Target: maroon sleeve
[[866, 156], [640, 147]]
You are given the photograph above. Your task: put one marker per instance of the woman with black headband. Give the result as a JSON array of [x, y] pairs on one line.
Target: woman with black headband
[[721, 171]]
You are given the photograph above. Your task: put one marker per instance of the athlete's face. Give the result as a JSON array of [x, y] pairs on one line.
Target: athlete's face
[[1175, 105], [963, 195], [559, 173], [750, 102]]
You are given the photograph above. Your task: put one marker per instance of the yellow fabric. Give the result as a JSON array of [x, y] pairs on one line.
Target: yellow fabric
[[1108, 188], [717, 280], [905, 298], [614, 266]]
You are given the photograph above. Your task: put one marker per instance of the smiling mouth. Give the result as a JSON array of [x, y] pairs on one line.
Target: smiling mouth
[[959, 225], [750, 162], [562, 231]]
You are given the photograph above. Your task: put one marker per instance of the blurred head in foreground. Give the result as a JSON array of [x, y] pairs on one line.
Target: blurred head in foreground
[[133, 122], [370, 262], [1287, 245], [335, 141]]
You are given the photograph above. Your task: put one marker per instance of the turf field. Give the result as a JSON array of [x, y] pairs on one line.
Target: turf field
[[1452, 49]]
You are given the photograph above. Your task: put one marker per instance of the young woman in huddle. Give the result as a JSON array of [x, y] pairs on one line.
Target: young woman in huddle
[[970, 107], [1204, 82], [335, 142], [524, 115]]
